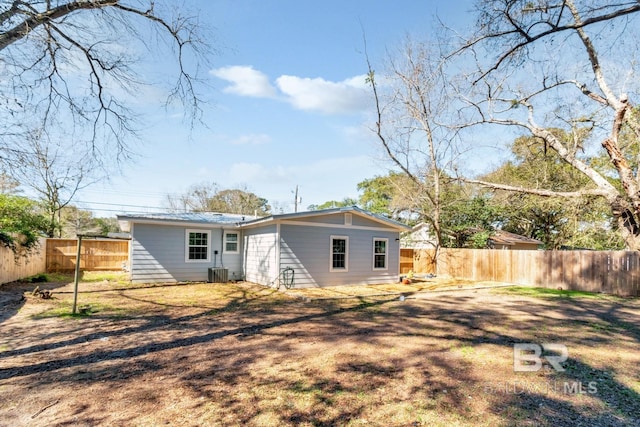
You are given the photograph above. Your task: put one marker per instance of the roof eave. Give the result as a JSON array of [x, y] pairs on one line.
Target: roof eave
[[164, 221], [348, 209]]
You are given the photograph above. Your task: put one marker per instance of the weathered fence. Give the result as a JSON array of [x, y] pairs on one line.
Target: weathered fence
[[611, 272], [96, 255], [11, 270]]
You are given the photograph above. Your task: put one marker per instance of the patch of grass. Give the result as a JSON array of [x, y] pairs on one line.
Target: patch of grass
[[549, 293], [467, 350], [105, 276], [60, 277], [63, 310]]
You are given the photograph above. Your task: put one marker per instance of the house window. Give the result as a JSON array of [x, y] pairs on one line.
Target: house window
[[197, 246], [339, 253], [231, 242], [380, 253]]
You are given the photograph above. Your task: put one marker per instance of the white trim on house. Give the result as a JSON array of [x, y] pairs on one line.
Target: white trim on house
[[176, 222], [385, 254], [326, 225], [187, 245], [278, 250], [333, 269]]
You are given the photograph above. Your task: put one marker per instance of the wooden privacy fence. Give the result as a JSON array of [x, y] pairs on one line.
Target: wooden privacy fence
[[96, 254], [418, 261], [11, 270], [611, 272]]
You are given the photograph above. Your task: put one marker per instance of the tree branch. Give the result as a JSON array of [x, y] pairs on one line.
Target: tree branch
[[34, 20], [538, 192], [530, 39]]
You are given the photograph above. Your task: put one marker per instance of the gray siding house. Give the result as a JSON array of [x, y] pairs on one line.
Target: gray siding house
[[319, 248]]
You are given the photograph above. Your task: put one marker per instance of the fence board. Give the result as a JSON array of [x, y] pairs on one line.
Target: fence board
[[613, 272], [423, 261], [10, 270], [96, 255], [406, 260]]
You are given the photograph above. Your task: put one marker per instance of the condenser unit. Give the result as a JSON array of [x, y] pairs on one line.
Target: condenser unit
[[218, 275]]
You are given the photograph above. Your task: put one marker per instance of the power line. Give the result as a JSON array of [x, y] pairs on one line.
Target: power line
[[119, 204]]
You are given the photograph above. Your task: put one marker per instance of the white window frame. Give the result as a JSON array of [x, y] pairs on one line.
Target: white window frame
[[188, 231], [386, 253], [237, 242], [346, 255]]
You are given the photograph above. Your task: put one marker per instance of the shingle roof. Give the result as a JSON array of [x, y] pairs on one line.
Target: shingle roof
[[507, 238]]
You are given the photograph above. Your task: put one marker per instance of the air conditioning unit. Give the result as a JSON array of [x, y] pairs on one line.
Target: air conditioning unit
[[218, 275]]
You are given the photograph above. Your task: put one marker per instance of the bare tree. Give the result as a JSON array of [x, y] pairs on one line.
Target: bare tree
[[196, 199], [77, 64], [55, 173], [411, 102], [8, 184], [570, 65], [207, 197]]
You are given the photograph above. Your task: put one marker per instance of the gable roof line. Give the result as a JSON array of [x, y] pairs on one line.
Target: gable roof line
[[237, 220], [346, 209], [508, 238]]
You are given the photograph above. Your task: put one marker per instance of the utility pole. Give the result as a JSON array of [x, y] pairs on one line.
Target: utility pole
[[296, 200]]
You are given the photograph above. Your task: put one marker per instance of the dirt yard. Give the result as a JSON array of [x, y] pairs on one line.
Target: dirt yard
[[241, 354]]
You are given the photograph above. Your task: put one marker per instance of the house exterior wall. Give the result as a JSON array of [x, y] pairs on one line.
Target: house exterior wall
[[159, 250], [307, 249], [158, 254], [260, 254]]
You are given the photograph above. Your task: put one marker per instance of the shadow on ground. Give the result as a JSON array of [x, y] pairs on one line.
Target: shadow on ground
[[261, 359]]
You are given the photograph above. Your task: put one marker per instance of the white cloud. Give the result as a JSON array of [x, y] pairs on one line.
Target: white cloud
[[251, 139], [245, 81], [321, 95], [348, 96]]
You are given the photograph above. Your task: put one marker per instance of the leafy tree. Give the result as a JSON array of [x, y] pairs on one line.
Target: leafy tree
[[76, 65], [555, 221], [75, 221], [388, 195], [334, 204], [377, 194], [238, 202], [522, 82], [468, 222], [21, 223], [208, 198], [105, 226]]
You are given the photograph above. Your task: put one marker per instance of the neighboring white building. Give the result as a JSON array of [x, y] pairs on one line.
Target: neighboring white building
[[419, 237]]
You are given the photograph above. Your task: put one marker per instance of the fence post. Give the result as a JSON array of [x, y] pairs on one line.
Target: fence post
[[77, 276]]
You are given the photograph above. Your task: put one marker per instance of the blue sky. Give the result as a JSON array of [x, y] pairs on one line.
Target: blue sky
[[288, 104]]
